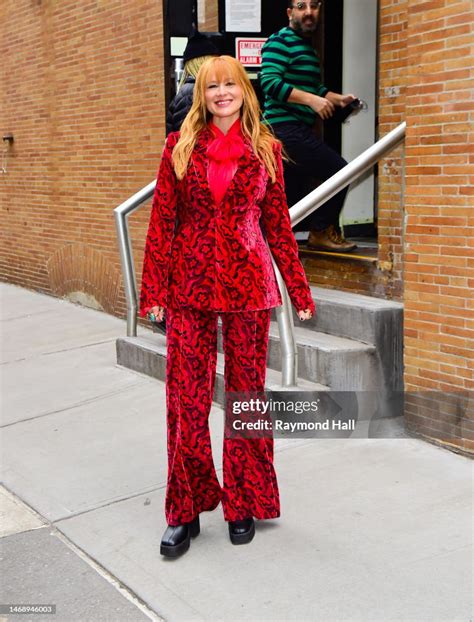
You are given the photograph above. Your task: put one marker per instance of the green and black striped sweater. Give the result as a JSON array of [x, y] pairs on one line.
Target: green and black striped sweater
[[289, 61]]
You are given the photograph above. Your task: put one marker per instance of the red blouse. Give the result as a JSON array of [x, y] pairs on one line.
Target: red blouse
[[224, 152]]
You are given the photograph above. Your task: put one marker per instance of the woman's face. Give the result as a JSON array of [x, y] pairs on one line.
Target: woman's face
[[224, 97]]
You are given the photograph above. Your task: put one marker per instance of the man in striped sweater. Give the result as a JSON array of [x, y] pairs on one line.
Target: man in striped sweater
[[294, 95]]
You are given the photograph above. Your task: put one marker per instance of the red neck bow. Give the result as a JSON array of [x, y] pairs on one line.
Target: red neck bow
[[228, 146], [224, 152]]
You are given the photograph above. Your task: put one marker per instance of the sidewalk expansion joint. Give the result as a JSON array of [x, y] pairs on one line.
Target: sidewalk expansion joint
[[111, 502], [26, 315], [81, 347], [40, 354], [90, 400]]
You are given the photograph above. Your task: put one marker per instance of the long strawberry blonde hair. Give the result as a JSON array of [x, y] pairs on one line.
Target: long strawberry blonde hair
[[222, 68]]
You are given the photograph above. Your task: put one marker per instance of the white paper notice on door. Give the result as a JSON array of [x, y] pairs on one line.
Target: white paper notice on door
[[243, 15]]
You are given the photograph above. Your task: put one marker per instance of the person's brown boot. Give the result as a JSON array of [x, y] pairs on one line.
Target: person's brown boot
[[322, 241], [339, 238]]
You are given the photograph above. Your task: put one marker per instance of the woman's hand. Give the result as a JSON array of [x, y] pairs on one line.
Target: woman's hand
[[305, 315], [156, 314]]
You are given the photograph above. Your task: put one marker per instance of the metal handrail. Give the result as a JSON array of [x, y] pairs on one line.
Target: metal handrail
[[286, 329], [298, 212], [352, 171], [121, 214]]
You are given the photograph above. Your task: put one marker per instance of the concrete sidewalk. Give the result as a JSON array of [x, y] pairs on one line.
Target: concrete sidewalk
[[370, 529]]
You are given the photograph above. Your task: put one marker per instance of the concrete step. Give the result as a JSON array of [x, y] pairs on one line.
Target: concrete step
[[147, 354], [353, 315], [338, 362], [368, 320], [341, 363]]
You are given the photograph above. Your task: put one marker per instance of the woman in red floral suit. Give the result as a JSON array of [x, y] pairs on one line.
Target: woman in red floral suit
[[219, 180]]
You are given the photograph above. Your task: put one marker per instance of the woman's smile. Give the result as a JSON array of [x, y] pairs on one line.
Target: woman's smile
[[223, 102]]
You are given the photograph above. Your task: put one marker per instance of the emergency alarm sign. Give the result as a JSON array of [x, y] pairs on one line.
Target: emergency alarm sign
[[249, 51]]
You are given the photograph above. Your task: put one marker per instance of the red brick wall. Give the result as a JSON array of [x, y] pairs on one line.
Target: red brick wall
[[359, 274], [439, 241], [82, 94]]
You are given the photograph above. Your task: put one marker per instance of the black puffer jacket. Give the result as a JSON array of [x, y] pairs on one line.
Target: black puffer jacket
[[180, 106]]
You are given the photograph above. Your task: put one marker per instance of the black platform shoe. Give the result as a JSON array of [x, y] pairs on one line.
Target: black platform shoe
[[241, 531], [176, 539]]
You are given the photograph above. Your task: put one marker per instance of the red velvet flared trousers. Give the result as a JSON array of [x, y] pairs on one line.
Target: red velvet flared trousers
[[250, 486]]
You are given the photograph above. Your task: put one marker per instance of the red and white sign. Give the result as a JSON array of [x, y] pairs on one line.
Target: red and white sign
[[249, 51]]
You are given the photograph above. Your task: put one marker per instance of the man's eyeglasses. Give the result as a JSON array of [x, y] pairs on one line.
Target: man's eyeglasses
[[302, 6]]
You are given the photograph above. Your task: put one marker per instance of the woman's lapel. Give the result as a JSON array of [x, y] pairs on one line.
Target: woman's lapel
[[199, 162], [246, 178]]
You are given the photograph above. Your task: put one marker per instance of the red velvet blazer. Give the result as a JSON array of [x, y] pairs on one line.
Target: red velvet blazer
[[214, 257]]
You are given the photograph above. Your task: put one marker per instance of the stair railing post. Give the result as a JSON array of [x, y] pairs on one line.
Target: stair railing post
[[121, 214], [128, 272], [289, 360]]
